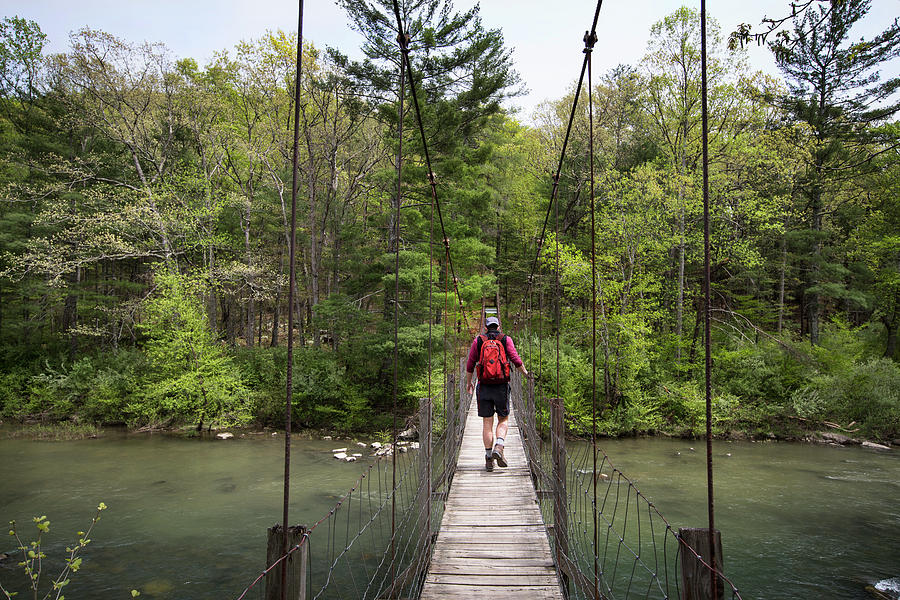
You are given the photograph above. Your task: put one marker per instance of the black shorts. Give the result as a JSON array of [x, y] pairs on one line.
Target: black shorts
[[493, 398]]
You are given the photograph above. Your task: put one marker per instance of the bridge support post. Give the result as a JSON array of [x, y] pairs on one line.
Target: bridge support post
[[463, 397], [425, 478], [450, 428], [560, 514], [695, 577], [530, 429], [295, 563]]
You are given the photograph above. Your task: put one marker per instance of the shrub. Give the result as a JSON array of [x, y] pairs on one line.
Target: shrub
[[867, 393]]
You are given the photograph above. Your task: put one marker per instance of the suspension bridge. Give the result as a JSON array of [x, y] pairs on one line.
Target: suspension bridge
[[561, 521]]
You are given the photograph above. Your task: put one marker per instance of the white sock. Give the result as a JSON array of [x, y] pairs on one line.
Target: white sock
[[499, 441]]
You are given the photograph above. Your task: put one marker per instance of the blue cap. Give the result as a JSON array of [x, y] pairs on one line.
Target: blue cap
[[492, 321]]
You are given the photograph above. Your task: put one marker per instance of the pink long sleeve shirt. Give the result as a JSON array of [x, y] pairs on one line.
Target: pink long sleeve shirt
[[511, 354]]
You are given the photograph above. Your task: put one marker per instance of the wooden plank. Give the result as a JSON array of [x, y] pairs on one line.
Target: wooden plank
[[494, 567], [439, 591], [492, 541], [452, 550], [496, 579]]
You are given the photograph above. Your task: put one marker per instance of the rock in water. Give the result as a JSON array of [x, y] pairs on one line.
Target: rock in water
[[376, 445], [340, 455], [837, 438], [889, 585], [225, 436], [875, 446], [409, 434], [887, 589], [339, 450]]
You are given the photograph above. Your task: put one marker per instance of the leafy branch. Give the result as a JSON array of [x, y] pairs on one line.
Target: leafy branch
[[744, 33], [33, 558]]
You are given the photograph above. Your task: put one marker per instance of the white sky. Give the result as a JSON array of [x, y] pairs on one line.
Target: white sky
[[546, 36]]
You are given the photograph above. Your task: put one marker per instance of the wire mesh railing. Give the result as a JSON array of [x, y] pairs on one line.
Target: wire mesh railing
[[608, 539], [375, 542]]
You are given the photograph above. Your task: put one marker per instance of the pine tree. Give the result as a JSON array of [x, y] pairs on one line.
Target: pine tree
[[835, 88]]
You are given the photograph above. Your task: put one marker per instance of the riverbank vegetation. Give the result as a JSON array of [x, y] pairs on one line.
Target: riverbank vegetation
[[145, 204]]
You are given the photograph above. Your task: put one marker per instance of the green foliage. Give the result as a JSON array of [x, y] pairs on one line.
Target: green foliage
[[65, 430], [143, 242], [190, 377], [866, 394], [34, 559]]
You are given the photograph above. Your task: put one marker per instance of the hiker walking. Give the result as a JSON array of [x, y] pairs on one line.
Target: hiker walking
[[492, 352]]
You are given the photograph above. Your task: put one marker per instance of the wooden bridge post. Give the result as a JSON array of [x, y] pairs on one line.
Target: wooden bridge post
[[560, 514], [425, 483], [531, 429], [450, 428], [463, 398], [695, 577], [295, 563]]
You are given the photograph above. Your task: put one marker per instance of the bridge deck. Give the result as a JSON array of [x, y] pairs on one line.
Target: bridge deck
[[492, 542]]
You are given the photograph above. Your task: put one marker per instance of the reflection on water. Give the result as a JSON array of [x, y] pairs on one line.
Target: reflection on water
[[797, 521], [188, 518]]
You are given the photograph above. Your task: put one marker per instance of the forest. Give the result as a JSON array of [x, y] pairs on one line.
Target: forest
[[145, 205]]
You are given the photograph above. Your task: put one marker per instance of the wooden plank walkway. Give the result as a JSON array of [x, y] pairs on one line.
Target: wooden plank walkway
[[492, 542]]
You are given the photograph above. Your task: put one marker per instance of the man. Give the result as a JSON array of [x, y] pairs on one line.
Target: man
[[493, 394]]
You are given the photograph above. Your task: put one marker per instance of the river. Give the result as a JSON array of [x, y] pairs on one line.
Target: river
[[187, 517]]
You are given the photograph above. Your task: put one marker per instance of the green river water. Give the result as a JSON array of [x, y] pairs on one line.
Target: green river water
[[187, 517]]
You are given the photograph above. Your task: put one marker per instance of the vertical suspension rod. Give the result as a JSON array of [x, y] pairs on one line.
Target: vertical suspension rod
[[589, 41], [397, 313], [289, 392], [707, 301]]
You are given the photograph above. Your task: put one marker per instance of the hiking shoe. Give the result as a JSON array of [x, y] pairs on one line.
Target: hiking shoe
[[498, 455], [488, 463]]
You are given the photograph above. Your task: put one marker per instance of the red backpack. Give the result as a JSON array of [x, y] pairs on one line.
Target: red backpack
[[493, 366]]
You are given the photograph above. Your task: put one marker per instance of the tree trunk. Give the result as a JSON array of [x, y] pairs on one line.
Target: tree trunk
[[781, 282], [891, 327], [70, 312], [212, 302], [679, 303], [813, 298], [275, 312], [259, 327], [228, 316], [251, 304]]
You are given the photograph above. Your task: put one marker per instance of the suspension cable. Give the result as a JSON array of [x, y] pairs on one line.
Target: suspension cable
[[562, 154], [403, 39], [289, 392]]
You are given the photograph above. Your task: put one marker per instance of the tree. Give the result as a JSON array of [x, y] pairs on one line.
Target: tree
[[192, 379], [21, 60], [673, 104], [835, 87]]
